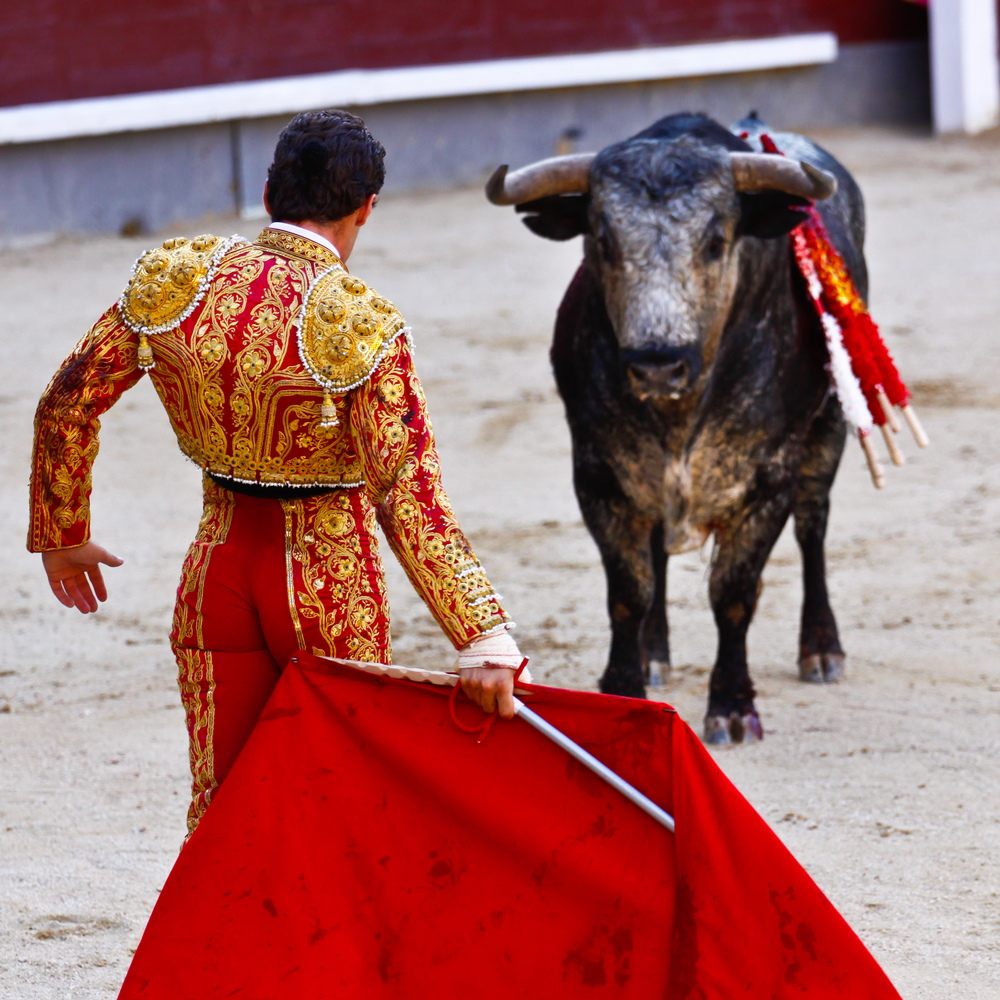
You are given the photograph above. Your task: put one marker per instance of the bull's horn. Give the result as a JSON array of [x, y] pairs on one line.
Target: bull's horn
[[558, 175], [767, 172]]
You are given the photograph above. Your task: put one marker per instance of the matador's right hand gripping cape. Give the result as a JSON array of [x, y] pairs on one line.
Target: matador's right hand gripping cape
[[276, 367]]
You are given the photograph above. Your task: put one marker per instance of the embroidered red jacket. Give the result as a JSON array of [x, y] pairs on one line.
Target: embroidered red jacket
[[220, 321]]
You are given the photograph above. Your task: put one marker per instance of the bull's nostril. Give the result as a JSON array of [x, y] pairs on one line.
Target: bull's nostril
[[659, 371], [670, 376]]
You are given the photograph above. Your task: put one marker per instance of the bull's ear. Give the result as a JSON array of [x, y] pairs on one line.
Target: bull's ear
[[558, 217], [768, 214]]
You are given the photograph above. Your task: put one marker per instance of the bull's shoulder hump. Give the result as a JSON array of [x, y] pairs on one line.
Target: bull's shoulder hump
[[799, 147], [848, 203]]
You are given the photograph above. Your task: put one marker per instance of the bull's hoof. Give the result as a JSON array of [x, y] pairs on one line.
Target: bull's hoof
[[822, 668], [811, 669], [659, 673], [833, 667], [722, 731], [746, 728], [717, 731]]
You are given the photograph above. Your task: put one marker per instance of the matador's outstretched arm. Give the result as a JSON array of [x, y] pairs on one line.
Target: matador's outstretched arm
[[67, 422]]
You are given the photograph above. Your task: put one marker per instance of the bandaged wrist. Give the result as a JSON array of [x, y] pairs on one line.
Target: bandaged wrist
[[498, 650]]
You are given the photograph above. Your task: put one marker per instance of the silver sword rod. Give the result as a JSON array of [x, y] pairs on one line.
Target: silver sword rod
[[588, 760]]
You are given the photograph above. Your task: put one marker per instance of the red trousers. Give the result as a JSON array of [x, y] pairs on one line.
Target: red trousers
[[262, 579]]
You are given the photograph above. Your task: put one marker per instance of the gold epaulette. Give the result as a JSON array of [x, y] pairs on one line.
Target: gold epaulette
[[167, 284], [345, 329]]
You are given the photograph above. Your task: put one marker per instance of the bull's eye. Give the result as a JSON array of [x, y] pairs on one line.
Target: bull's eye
[[608, 245], [716, 246]]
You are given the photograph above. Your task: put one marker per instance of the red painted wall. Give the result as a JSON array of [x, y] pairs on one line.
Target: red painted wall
[[60, 49]]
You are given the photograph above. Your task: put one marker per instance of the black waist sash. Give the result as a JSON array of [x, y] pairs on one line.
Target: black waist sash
[[265, 492]]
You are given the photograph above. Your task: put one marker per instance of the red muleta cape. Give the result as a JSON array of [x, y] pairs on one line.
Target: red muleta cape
[[364, 846]]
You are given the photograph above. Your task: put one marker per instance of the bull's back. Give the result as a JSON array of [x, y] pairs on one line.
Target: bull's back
[[844, 213]]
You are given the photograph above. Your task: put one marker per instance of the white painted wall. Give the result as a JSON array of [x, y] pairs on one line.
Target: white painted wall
[[359, 87], [965, 75], [160, 176]]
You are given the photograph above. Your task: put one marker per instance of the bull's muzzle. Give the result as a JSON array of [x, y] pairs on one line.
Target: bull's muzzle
[[658, 372]]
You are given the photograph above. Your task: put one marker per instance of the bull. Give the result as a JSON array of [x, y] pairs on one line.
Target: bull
[[693, 369]]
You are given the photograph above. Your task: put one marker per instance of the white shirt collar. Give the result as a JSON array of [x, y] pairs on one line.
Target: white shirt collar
[[290, 227]]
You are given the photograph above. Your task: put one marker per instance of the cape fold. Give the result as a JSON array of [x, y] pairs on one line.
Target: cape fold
[[363, 845]]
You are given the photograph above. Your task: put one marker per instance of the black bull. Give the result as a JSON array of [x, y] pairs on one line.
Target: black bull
[[693, 370]]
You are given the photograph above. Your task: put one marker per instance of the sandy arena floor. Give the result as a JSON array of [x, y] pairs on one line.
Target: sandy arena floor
[[885, 787]]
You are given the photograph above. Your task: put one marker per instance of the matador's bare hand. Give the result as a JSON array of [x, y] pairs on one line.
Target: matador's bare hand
[[68, 571], [491, 688]]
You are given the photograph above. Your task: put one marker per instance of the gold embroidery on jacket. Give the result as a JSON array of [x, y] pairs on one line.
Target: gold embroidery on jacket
[[393, 434], [297, 246], [242, 405], [166, 282], [345, 330], [101, 367], [239, 400]]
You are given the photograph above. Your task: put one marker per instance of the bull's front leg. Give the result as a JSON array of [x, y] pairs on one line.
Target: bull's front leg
[[623, 536], [655, 645], [821, 658], [734, 587]]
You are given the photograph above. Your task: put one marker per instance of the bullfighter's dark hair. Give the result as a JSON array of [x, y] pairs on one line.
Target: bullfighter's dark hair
[[326, 166]]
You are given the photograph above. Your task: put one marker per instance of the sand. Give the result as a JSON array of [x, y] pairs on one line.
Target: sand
[[885, 787]]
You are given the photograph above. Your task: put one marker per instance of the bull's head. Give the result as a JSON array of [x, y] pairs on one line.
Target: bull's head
[[663, 222]]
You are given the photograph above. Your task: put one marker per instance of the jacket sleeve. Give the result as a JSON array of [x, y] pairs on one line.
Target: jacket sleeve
[[392, 434], [67, 421]]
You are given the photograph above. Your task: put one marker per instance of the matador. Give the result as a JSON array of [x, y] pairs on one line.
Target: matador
[[290, 382]]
